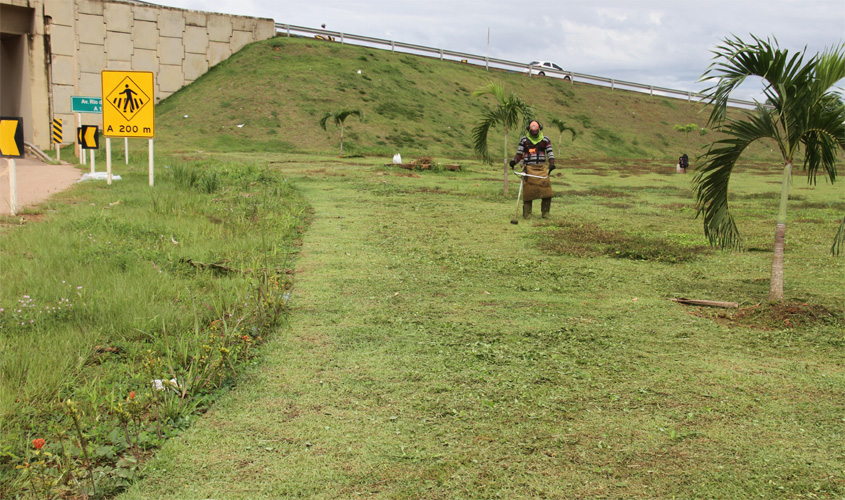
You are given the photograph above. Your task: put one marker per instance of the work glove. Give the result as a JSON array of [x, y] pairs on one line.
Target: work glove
[[512, 163]]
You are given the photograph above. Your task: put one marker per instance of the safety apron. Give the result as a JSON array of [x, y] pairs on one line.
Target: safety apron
[[534, 188]]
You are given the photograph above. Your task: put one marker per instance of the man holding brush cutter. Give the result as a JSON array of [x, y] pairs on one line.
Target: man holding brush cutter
[[535, 152]]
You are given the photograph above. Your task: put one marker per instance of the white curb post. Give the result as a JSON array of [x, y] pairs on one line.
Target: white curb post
[[13, 185]]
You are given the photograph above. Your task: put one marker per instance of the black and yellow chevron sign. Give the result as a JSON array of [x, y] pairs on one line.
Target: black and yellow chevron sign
[[11, 137], [87, 137], [57, 130]]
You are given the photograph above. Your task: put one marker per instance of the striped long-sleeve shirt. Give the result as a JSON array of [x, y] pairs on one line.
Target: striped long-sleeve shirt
[[535, 153]]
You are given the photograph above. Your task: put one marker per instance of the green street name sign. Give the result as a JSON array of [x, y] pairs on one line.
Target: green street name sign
[[80, 104]]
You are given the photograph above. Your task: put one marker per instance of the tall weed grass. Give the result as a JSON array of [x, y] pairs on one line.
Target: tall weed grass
[[120, 285]]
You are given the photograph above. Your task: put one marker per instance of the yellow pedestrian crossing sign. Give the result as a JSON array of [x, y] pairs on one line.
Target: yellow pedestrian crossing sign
[[128, 107]]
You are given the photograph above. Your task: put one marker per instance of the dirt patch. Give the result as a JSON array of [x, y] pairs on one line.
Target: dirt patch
[[772, 316], [835, 205], [600, 192], [435, 190], [20, 219], [622, 167], [611, 204], [590, 240], [677, 206]]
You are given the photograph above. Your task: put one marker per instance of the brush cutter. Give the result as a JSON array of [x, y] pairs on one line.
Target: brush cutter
[[522, 177]]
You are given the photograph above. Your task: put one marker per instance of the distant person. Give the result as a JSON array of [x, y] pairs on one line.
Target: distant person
[[538, 160], [683, 163]]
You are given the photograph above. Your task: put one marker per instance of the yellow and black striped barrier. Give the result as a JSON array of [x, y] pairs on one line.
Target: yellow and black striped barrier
[[57, 130]]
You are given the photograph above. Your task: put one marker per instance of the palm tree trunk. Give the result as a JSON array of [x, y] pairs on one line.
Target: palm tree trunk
[[505, 160], [341, 139], [776, 284]]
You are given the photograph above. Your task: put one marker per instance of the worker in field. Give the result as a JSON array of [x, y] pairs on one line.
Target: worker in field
[[538, 159], [683, 163]]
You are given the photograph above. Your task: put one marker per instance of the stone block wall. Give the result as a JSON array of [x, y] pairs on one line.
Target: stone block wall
[[178, 46]]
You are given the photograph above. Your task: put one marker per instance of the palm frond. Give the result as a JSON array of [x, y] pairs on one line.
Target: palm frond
[[324, 120], [479, 134], [830, 69], [563, 127], [496, 90], [710, 183], [735, 61], [341, 115]]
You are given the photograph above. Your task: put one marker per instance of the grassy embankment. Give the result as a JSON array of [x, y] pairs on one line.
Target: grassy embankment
[[277, 91]]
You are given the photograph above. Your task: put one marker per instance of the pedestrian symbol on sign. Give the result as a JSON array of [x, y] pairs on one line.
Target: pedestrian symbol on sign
[[127, 98]]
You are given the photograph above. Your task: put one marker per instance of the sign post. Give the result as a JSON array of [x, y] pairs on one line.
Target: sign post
[[78, 148], [151, 162], [11, 147], [13, 186], [129, 109], [108, 161]]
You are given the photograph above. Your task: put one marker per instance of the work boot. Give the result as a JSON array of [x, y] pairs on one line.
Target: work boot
[[526, 209], [546, 207]]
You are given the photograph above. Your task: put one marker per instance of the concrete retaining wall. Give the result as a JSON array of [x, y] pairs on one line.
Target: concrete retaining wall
[[80, 38]]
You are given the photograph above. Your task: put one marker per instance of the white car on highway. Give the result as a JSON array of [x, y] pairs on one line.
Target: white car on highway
[[540, 68]]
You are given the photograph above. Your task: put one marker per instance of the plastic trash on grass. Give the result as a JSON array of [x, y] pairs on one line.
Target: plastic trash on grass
[[97, 176], [162, 385]]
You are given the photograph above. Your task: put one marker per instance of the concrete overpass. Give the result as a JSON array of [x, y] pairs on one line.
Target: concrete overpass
[[51, 50]]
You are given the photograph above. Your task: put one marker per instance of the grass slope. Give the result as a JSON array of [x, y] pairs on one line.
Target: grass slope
[[437, 351], [277, 90]]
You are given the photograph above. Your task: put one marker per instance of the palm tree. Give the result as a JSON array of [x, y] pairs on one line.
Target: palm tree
[[339, 117], [801, 114], [509, 112], [562, 127]]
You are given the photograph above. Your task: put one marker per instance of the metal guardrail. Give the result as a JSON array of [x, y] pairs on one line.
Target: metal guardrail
[[488, 62]]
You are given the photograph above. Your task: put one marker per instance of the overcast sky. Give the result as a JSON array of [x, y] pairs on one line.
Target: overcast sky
[[664, 43]]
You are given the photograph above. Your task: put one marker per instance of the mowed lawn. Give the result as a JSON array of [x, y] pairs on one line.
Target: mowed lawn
[[437, 351]]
